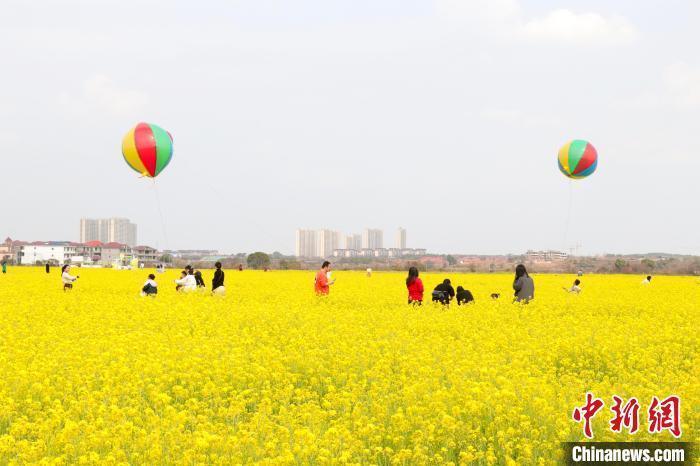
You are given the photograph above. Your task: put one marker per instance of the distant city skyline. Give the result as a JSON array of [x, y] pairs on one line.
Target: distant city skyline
[[108, 230], [324, 242]]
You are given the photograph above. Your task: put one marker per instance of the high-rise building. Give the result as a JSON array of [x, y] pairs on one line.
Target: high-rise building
[[400, 240], [327, 242], [306, 243], [89, 230], [353, 242], [372, 239], [108, 230]]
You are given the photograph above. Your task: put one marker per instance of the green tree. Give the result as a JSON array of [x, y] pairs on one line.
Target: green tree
[[287, 264], [620, 264], [166, 258], [258, 260], [450, 260], [648, 263]]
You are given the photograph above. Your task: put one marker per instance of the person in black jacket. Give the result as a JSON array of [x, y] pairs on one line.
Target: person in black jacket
[[464, 296], [198, 279], [217, 284], [444, 292], [48, 267]]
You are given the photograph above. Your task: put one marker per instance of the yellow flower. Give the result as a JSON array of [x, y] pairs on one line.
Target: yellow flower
[[269, 374]]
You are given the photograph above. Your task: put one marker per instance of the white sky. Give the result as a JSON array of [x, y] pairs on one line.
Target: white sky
[[444, 117]]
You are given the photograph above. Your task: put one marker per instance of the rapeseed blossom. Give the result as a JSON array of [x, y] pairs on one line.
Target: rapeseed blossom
[[273, 373]]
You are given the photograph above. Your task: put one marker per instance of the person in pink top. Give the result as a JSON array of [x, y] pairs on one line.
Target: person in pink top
[[415, 287]]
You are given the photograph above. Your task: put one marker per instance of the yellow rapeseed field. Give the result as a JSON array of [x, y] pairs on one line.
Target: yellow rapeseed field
[[272, 373]]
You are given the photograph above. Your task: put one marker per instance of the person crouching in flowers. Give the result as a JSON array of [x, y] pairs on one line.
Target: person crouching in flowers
[[464, 296], [523, 285], [150, 288], [67, 278], [444, 292], [415, 287], [575, 288], [186, 283]]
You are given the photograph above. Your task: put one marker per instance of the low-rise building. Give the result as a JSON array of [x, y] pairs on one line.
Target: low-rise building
[[40, 252], [546, 256], [344, 253], [92, 252], [145, 254]]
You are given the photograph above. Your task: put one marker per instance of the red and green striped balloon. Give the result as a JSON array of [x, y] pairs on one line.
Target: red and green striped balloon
[[147, 149], [578, 159]]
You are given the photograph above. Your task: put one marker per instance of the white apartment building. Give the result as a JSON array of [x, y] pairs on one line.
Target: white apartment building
[[372, 239], [546, 256], [400, 239], [42, 252], [345, 253], [306, 243], [327, 242], [353, 241], [108, 230]]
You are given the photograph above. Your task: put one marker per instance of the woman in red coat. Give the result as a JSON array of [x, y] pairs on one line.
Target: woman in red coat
[[415, 287]]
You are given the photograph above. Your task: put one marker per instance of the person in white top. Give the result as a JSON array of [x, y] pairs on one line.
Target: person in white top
[[647, 280], [187, 282], [67, 278], [575, 288], [150, 288]]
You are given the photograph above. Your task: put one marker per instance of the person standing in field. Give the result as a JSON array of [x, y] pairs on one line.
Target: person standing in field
[[48, 267], [67, 278], [322, 284], [415, 287], [217, 283], [647, 280], [523, 285], [4, 266]]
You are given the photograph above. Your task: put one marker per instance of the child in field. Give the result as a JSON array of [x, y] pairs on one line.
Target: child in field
[[575, 288], [150, 288], [464, 296], [647, 280], [67, 278]]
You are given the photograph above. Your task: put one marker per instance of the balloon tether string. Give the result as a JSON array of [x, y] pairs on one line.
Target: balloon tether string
[[568, 213], [160, 214]]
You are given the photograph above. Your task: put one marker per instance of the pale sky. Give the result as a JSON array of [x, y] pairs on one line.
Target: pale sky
[[444, 117]]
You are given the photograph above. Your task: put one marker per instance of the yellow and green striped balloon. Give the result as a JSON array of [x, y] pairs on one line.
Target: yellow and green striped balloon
[[578, 159], [147, 149]]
